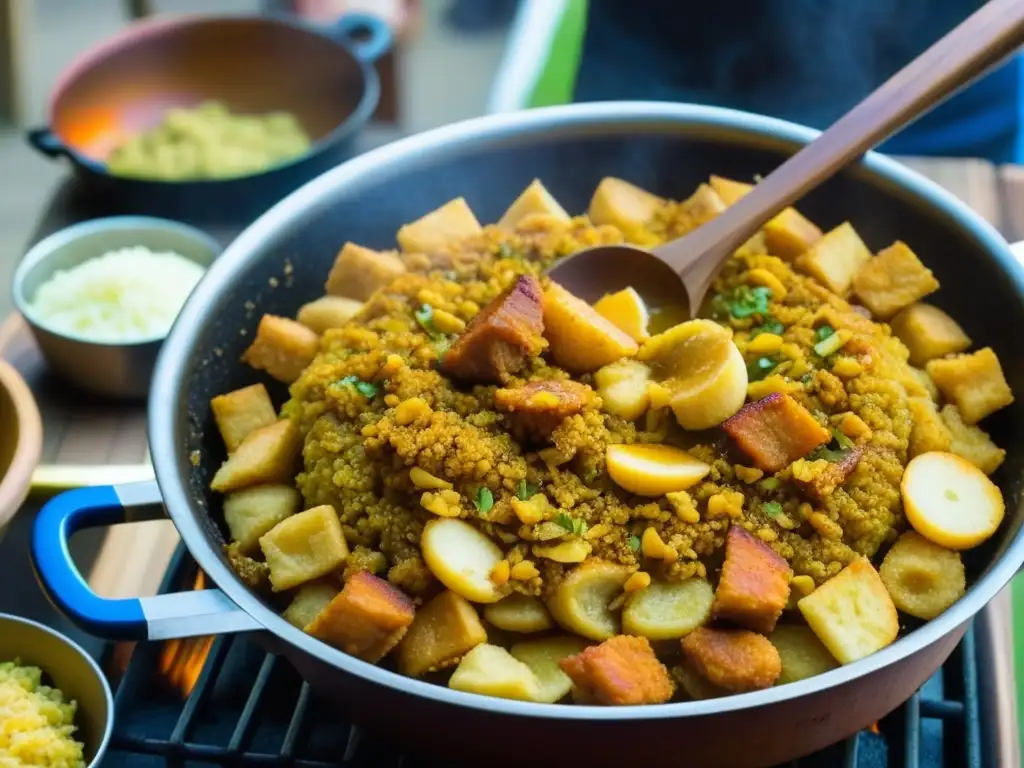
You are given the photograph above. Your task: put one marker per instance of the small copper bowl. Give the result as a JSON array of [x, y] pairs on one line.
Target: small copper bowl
[[323, 75], [68, 667]]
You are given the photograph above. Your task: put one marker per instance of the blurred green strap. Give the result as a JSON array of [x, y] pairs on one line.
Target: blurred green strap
[[541, 57]]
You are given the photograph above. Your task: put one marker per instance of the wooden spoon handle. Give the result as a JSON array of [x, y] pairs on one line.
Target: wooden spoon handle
[[984, 39]]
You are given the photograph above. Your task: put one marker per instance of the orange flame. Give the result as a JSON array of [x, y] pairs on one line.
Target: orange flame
[[181, 661]]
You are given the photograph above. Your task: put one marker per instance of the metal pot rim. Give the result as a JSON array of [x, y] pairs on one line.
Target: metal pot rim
[[167, 426]]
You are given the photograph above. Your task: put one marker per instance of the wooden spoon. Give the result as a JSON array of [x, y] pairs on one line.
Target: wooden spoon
[[686, 267]]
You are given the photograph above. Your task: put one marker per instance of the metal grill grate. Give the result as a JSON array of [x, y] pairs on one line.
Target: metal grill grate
[[248, 707]]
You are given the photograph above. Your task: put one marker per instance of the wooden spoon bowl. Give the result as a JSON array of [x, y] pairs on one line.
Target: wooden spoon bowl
[[686, 267]]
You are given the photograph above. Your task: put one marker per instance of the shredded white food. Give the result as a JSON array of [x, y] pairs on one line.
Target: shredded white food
[[122, 296]]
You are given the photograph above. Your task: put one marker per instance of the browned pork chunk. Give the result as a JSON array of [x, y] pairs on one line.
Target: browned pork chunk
[[540, 406], [622, 670], [734, 659], [775, 431], [367, 619], [754, 587], [500, 338]]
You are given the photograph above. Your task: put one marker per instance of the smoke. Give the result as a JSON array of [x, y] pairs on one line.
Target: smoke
[[804, 60]]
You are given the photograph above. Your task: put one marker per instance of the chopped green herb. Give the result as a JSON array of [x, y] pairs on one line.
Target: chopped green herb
[[525, 491], [835, 451], [829, 345], [746, 301], [826, 452], [506, 251], [772, 508], [770, 483], [760, 368], [365, 388], [823, 332], [450, 275], [425, 317], [770, 325], [484, 500], [571, 524], [841, 439], [634, 543]]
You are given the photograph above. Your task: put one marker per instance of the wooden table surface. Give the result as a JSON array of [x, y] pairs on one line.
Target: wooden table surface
[[132, 558]]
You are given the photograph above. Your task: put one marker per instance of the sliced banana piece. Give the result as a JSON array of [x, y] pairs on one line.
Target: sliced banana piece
[[580, 602], [666, 610], [462, 558], [519, 613]]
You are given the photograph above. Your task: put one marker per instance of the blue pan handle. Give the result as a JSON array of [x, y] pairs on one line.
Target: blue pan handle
[[368, 37], [184, 614], [45, 142]]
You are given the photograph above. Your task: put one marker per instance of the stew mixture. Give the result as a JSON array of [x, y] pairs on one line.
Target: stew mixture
[[500, 488]]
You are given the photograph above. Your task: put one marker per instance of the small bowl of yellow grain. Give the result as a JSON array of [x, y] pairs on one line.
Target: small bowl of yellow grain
[[56, 708], [101, 296]]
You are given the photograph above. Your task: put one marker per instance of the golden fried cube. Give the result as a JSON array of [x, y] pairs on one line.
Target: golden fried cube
[[974, 383], [367, 619], [268, 455], [251, 512], [328, 312], [894, 279], [700, 207], [282, 347], [309, 600], [358, 272], [972, 443], [492, 671], [787, 235], [535, 199], [790, 233], [304, 547], [621, 204], [928, 432], [928, 333], [729, 190], [242, 411], [444, 630], [835, 258], [852, 613], [450, 223]]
